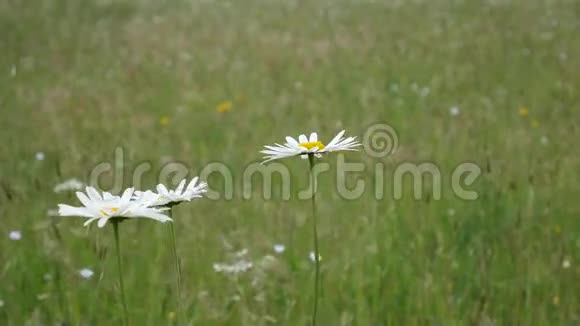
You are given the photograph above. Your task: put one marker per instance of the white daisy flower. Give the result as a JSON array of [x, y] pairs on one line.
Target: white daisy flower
[[279, 248], [86, 273], [42, 296], [165, 197], [454, 110], [15, 235], [241, 253], [106, 206], [70, 184], [566, 264], [305, 146], [39, 156]]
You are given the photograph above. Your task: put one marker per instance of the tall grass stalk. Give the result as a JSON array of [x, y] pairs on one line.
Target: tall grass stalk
[[315, 235]]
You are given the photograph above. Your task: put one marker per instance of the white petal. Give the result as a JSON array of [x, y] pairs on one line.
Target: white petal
[[89, 221], [66, 210], [127, 194], [180, 187], [162, 190], [302, 139], [313, 137], [291, 141], [336, 139], [271, 148], [340, 144], [201, 188], [151, 213], [108, 196], [93, 193], [83, 198], [192, 183], [102, 222]]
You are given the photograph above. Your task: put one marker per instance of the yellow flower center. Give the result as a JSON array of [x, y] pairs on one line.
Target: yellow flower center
[[112, 209], [312, 144], [224, 107]]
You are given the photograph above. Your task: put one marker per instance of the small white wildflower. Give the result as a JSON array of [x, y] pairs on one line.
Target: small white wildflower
[[268, 263], [158, 19], [241, 253], [526, 52], [544, 140], [566, 264], [42, 296], [279, 248], [15, 235], [454, 264], [454, 111], [68, 185], [235, 268], [312, 256], [86, 273], [39, 156]]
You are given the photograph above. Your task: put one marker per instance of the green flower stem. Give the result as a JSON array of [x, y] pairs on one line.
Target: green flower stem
[[315, 233], [120, 266], [177, 265]]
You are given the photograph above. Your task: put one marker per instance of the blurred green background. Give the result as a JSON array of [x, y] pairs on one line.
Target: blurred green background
[[493, 82]]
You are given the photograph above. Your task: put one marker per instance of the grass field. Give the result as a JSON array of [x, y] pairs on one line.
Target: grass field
[[494, 83]]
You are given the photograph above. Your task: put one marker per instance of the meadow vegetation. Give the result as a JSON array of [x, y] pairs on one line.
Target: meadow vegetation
[[494, 82]]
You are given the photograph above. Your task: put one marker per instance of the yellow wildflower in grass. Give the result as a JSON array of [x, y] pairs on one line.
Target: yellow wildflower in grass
[[556, 300], [164, 121], [523, 112], [224, 107]]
